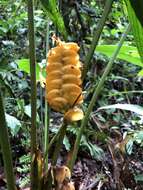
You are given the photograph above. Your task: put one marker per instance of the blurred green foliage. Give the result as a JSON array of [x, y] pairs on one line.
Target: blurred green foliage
[[122, 86]]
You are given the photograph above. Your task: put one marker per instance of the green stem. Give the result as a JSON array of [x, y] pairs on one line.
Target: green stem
[[32, 57], [94, 98], [6, 150], [46, 133], [59, 143], [96, 36], [47, 38], [53, 140], [47, 112]]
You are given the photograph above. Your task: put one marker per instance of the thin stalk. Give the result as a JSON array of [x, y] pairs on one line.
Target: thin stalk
[[32, 56], [96, 36], [46, 133], [53, 140], [95, 96], [6, 150], [59, 138], [47, 112], [40, 137], [59, 143], [47, 38], [41, 105]]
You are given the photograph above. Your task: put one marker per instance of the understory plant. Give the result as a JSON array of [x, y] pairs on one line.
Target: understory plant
[[63, 94]]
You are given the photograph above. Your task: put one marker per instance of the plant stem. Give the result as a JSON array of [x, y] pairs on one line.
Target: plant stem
[[47, 112], [52, 142], [46, 133], [59, 142], [94, 98], [40, 137], [96, 36], [47, 38], [6, 150], [33, 75], [32, 57]]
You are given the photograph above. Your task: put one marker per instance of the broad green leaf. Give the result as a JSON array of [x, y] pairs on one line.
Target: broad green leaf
[[27, 111], [129, 107], [127, 53], [140, 73], [24, 65], [13, 123], [135, 13], [51, 8]]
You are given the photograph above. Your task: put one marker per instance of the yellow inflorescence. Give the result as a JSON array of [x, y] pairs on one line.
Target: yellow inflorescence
[[63, 82]]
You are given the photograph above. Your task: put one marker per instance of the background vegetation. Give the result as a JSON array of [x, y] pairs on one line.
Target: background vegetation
[[110, 138]]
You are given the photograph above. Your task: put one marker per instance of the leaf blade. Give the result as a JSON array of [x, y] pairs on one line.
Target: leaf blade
[[13, 123], [50, 6], [127, 53], [128, 107], [135, 10], [24, 65]]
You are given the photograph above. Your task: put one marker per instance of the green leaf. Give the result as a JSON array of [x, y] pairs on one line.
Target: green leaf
[[138, 136], [50, 6], [140, 73], [129, 107], [13, 123], [135, 13], [67, 143], [129, 146], [24, 65], [27, 111], [127, 53], [95, 151], [5, 67], [139, 178]]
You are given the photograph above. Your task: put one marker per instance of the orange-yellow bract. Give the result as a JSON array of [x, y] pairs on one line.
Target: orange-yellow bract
[[68, 186], [61, 174], [63, 82]]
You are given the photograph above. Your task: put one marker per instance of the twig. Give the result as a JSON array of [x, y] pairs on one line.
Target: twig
[[92, 185], [99, 185]]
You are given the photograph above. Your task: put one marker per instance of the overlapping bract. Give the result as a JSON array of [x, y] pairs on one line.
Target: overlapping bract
[[62, 177], [63, 82]]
